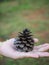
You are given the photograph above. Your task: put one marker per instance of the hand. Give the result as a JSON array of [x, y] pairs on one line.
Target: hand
[[8, 51], [42, 50]]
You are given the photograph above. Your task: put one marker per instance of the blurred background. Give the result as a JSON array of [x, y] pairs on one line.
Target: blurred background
[[16, 15]]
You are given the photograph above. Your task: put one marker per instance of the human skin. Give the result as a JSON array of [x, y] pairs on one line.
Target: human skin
[[6, 49]]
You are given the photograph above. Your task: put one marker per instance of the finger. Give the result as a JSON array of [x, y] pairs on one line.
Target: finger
[[35, 40], [43, 54], [33, 55], [41, 46], [35, 47], [44, 48]]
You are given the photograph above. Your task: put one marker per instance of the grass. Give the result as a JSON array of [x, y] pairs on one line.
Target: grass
[[15, 16]]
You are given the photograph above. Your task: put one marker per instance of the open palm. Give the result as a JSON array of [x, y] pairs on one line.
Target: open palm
[[38, 51]]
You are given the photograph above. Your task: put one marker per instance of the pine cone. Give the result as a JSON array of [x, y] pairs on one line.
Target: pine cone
[[25, 42]]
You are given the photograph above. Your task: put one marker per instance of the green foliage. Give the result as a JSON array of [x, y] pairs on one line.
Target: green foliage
[[15, 16], [27, 1]]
